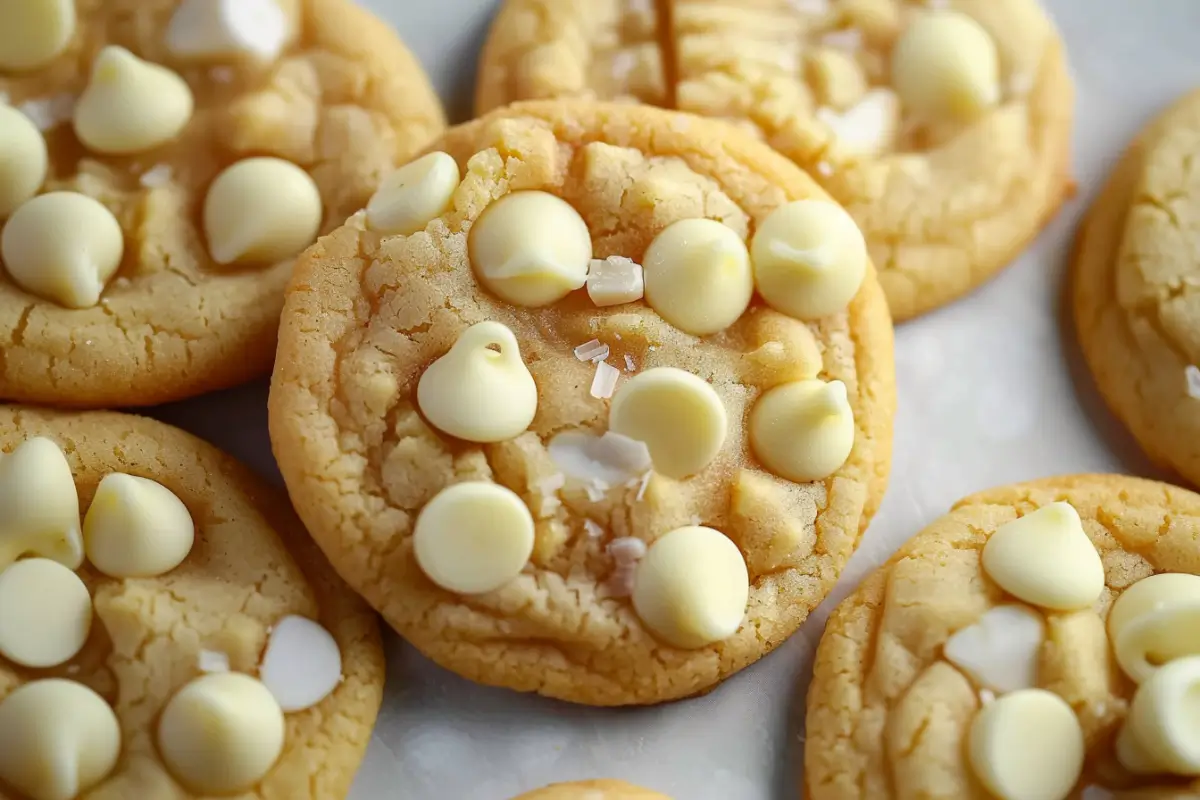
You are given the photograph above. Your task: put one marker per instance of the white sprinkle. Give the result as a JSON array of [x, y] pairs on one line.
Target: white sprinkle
[[48, 113], [1192, 374], [596, 490], [626, 550], [629, 365], [593, 529], [605, 381], [986, 696], [623, 64], [551, 483], [590, 351], [213, 661], [222, 74], [158, 176], [642, 487], [845, 39]]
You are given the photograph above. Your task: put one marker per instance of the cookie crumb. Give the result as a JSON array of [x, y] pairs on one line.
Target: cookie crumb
[[1192, 374], [605, 381], [48, 113], [212, 661]]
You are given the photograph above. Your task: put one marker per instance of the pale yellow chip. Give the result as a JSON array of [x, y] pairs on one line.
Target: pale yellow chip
[[136, 528], [945, 65], [1025, 745], [413, 195], [131, 105], [34, 32], [803, 431], [39, 505], [261, 211], [697, 276], [1164, 720], [24, 159], [45, 613]]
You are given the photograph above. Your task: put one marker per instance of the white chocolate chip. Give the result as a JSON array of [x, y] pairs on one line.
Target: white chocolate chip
[[1046, 559], [302, 664], [481, 390], [58, 739], [63, 247], [691, 587], [1163, 723], [531, 249], [1027, 745], [810, 259], [131, 105], [261, 211], [1154, 621], [804, 430], [45, 613], [697, 276], [473, 537], [24, 159], [604, 382], [679, 416], [945, 65], [614, 280], [611, 459], [34, 32], [221, 733], [413, 195], [39, 506], [136, 528], [1000, 650], [216, 29], [212, 661], [866, 128]]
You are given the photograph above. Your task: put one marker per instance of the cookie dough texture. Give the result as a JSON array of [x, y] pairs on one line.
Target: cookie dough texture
[[1137, 310], [252, 565], [592, 790], [366, 315], [943, 206], [345, 100], [888, 717]]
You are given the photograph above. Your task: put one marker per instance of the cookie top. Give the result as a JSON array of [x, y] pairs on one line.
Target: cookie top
[[1031, 643], [942, 127], [1137, 316], [151, 264], [190, 599], [592, 790], [498, 441]]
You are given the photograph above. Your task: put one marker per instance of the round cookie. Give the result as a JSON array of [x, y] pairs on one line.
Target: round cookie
[[565, 498], [592, 790], [1135, 313], [1020, 646], [239, 597], [943, 128], [122, 302]]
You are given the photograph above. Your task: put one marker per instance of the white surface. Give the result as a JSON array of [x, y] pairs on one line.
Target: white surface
[[991, 392]]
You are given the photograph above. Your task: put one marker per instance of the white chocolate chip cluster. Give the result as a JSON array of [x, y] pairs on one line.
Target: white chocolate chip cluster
[[66, 246], [219, 734]]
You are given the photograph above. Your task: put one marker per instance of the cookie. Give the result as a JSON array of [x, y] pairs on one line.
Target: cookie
[[592, 790], [1034, 642], [167, 163], [943, 128], [186, 640], [499, 439], [1135, 313]]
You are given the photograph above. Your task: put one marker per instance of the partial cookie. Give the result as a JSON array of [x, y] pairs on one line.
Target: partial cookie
[[1136, 313], [553, 434], [1037, 641], [164, 163], [157, 637], [943, 128], [592, 790]]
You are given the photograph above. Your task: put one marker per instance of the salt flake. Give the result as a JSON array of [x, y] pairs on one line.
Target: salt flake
[[605, 381], [1192, 374]]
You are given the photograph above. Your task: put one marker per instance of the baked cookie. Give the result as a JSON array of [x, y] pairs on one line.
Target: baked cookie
[[1039, 641], [550, 431], [1136, 314], [592, 790], [942, 127], [164, 161], [165, 644]]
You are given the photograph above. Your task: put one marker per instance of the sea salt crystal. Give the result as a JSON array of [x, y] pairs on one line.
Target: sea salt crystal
[[642, 487], [593, 529], [629, 365], [1192, 374], [605, 381], [590, 351], [156, 177]]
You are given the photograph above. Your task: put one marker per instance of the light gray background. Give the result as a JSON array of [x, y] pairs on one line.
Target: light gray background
[[991, 392]]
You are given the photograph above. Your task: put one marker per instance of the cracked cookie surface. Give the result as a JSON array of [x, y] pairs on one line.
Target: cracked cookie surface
[[366, 314], [888, 717], [1136, 311], [592, 790], [944, 206], [251, 565], [344, 100]]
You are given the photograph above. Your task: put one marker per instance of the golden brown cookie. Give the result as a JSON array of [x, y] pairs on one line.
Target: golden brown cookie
[[1136, 314], [123, 302], [943, 128], [592, 790], [501, 508], [1030, 643], [249, 585]]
